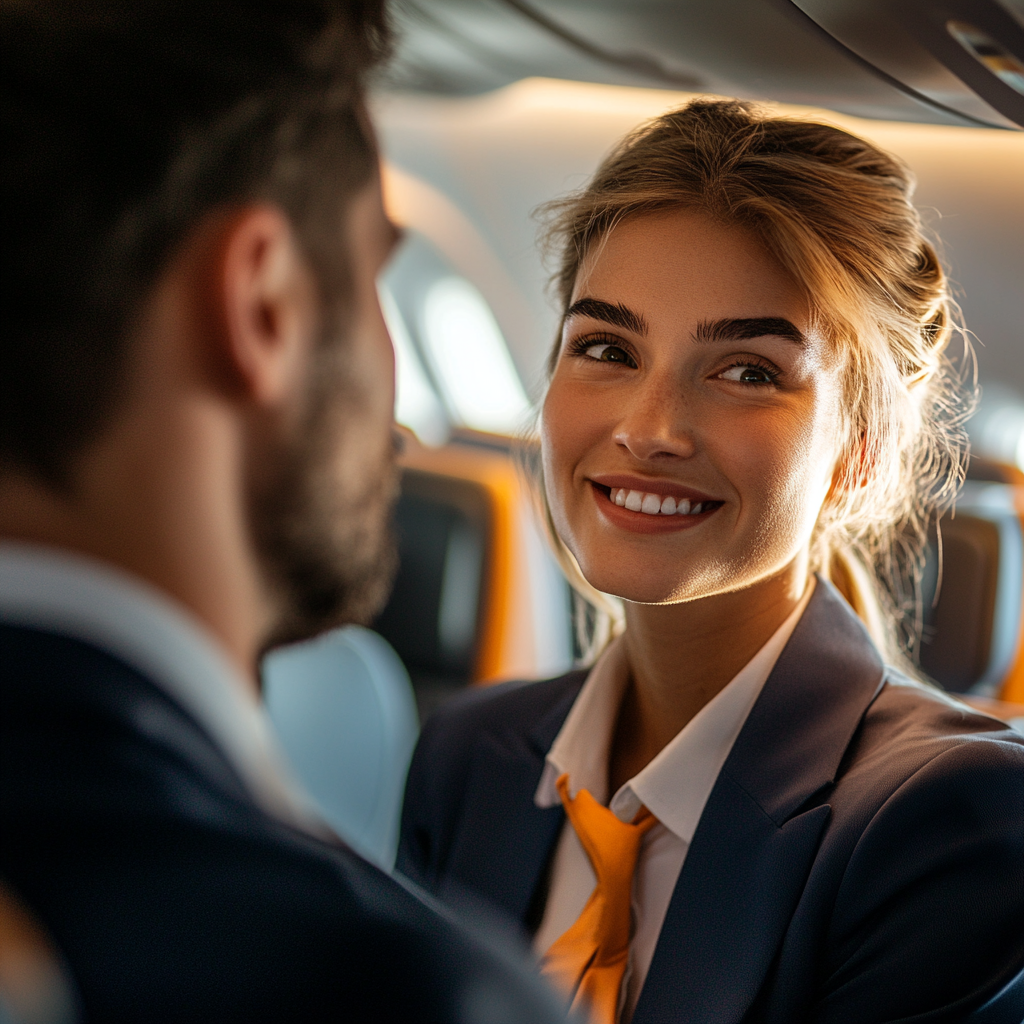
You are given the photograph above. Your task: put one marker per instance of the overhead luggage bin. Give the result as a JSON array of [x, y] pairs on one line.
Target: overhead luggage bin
[[940, 61], [962, 55]]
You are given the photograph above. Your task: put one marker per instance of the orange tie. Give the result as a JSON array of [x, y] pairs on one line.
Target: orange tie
[[589, 960]]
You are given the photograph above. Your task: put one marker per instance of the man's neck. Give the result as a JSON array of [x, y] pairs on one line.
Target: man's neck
[[159, 517]]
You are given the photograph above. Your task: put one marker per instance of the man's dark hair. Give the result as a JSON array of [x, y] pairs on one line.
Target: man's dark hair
[[124, 123]]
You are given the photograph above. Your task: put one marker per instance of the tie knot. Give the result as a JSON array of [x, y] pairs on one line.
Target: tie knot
[[612, 845]]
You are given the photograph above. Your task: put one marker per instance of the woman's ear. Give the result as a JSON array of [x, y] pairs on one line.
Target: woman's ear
[[852, 469]]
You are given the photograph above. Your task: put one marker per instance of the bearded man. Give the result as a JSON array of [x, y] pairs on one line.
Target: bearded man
[[196, 464]]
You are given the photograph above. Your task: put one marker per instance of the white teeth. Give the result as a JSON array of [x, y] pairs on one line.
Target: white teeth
[[651, 504]]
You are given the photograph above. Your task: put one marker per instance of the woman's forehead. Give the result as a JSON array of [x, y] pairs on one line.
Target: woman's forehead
[[684, 262]]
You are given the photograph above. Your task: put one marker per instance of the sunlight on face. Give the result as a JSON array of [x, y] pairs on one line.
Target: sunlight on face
[[690, 429]]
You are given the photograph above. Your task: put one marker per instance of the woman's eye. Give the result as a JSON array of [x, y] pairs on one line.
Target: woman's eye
[[750, 373], [606, 353]]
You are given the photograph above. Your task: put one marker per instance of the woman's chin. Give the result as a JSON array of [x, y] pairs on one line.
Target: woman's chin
[[639, 587]]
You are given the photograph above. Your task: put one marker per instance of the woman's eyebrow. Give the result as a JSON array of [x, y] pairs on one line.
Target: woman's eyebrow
[[749, 327], [611, 313]]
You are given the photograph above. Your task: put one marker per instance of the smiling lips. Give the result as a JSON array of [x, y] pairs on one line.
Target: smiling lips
[[654, 504], [639, 510]]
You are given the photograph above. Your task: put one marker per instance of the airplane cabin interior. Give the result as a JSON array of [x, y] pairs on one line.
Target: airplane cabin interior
[[487, 110]]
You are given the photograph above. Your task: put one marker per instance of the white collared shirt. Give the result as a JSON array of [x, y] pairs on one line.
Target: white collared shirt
[[62, 592], [675, 786]]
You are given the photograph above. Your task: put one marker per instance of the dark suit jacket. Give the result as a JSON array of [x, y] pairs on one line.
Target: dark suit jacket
[[174, 898], [860, 858]]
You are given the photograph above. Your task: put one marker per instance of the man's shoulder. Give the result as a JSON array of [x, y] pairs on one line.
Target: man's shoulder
[[82, 728], [380, 948], [252, 920], [35, 649], [51, 667], [133, 841]]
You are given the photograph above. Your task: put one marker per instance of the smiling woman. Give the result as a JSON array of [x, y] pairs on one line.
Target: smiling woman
[[741, 812], [720, 397], [823, 221]]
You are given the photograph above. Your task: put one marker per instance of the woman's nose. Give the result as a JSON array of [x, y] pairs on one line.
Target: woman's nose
[[655, 422]]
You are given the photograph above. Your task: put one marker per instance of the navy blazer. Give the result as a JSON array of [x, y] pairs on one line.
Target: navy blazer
[[860, 858], [173, 897]]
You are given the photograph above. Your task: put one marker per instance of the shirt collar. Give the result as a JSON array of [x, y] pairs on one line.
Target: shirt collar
[[62, 592], [676, 784]]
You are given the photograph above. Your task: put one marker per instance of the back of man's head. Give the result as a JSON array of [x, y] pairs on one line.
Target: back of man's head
[[124, 123]]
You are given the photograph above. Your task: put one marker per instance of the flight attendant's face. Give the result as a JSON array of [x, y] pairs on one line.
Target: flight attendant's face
[[690, 431]]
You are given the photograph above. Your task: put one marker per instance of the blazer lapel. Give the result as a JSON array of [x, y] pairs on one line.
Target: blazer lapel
[[504, 841], [752, 851]]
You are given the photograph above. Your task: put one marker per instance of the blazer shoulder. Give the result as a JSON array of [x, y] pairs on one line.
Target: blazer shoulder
[[504, 708], [917, 722], [73, 713], [908, 727], [933, 874], [520, 718], [916, 738]]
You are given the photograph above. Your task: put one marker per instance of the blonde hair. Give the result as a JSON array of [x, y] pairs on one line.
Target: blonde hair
[[836, 213]]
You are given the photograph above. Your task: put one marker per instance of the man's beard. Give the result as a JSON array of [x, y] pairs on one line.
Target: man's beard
[[323, 529]]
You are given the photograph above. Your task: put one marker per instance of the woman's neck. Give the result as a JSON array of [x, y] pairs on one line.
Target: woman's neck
[[681, 656]]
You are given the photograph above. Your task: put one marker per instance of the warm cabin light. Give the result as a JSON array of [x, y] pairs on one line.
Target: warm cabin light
[[470, 359]]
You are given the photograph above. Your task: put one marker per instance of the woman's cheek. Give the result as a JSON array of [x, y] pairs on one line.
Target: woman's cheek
[[567, 422], [797, 468], [765, 455], [559, 444]]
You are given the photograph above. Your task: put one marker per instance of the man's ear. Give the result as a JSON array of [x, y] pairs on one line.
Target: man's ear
[[266, 304]]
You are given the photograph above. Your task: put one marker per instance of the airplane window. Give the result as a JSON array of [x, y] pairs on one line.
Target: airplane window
[[416, 403], [454, 365], [470, 357]]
